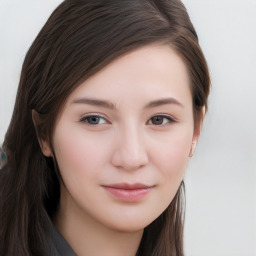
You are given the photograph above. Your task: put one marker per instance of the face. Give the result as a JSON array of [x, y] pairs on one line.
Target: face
[[123, 139]]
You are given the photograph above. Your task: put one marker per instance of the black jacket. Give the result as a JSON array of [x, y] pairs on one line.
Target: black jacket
[[57, 245]]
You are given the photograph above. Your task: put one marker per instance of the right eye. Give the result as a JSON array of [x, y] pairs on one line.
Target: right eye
[[93, 120]]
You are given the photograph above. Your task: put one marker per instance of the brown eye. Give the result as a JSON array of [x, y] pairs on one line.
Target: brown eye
[[161, 120], [157, 120]]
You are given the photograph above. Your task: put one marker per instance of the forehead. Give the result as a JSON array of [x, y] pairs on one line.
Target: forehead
[[148, 72]]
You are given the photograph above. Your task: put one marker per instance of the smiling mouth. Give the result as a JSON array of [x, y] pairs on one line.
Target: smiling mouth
[[128, 192]]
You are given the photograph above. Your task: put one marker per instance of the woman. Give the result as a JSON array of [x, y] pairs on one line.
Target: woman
[[109, 108]]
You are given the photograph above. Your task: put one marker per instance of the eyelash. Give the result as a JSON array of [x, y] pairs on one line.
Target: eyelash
[[168, 119], [97, 116]]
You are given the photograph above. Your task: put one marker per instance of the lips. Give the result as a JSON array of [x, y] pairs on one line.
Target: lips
[[128, 192]]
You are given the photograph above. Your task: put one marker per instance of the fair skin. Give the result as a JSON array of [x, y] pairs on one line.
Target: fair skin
[[130, 123]]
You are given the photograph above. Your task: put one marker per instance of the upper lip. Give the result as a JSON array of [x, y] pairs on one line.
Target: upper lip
[[128, 186]]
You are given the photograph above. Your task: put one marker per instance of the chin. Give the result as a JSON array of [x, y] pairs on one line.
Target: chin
[[128, 228], [129, 225]]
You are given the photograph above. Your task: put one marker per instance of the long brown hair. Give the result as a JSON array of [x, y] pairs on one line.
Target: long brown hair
[[79, 39]]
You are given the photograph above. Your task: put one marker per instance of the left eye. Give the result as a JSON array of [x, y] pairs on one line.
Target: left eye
[[161, 120], [94, 120]]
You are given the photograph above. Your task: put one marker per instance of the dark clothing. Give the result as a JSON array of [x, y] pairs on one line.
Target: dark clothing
[[58, 246]]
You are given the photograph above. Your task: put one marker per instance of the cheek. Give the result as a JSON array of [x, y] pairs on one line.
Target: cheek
[[171, 157], [173, 150], [179, 151], [77, 154]]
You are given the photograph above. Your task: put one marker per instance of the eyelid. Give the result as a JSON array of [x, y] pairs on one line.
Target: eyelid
[[83, 118]]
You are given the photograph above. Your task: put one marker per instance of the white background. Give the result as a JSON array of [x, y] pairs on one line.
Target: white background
[[221, 177]]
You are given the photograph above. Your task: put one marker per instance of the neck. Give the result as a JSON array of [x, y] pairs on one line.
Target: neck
[[88, 237]]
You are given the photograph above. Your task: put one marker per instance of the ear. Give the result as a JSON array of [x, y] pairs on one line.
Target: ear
[[44, 144], [197, 131]]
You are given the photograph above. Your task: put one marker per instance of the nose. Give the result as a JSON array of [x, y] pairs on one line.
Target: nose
[[130, 152]]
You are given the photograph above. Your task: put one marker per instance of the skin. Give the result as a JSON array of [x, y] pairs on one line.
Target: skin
[[122, 142]]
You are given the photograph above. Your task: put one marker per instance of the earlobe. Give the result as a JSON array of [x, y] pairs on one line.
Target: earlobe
[[193, 148], [195, 139], [197, 132], [44, 145], [45, 149]]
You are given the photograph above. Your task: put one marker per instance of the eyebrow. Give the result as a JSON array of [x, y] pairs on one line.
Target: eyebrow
[[95, 102], [110, 105], [164, 101]]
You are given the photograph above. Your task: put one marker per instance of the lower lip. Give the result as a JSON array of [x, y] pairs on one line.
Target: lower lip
[[128, 195]]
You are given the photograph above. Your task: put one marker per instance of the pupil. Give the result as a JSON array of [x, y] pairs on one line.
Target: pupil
[[157, 120], [93, 120]]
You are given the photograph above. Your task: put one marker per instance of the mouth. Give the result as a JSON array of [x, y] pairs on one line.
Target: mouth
[[128, 192]]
